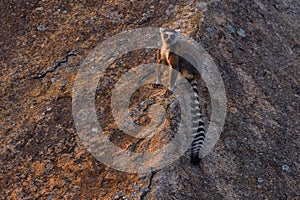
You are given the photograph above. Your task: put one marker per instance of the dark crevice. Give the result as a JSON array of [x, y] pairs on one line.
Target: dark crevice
[[134, 146], [58, 65], [148, 189]]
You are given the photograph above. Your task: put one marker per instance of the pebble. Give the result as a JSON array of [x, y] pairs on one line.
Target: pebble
[[230, 28], [259, 186], [98, 88], [209, 30], [285, 168], [53, 80], [260, 180], [134, 194], [57, 11], [39, 8], [94, 130], [41, 27], [241, 33]]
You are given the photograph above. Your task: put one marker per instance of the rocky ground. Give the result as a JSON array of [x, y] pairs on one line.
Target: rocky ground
[[255, 45]]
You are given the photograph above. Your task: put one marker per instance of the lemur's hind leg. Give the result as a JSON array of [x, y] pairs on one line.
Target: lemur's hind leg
[[173, 62], [159, 69]]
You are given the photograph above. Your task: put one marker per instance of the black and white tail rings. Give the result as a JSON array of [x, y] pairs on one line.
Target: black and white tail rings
[[198, 130]]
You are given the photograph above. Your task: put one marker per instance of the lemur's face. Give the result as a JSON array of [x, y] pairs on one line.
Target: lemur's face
[[169, 36]]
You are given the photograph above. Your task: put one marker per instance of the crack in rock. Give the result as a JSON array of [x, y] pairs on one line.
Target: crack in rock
[[148, 188], [59, 63]]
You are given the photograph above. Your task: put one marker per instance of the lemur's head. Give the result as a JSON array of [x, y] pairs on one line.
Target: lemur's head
[[169, 37]]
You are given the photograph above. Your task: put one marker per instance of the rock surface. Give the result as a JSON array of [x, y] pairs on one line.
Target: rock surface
[[255, 45]]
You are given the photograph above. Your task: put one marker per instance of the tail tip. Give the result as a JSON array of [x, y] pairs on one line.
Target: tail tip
[[195, 160]]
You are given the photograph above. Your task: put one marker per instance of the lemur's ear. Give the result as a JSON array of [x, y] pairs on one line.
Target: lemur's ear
[[177, 30], [161, 30]]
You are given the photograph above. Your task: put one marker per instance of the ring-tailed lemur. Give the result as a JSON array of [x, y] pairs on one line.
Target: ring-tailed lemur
[[166, 56]]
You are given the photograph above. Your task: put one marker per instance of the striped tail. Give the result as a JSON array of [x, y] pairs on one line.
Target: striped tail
[[197, 125]]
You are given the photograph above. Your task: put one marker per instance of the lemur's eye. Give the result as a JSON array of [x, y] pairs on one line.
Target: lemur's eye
[[166, 36], [173, 37]]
